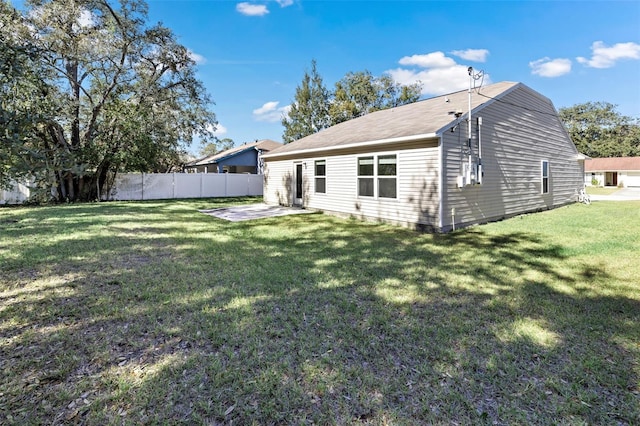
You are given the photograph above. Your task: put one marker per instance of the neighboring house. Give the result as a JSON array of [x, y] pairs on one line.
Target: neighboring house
[[416, 165], [246, 158], [615, 171]]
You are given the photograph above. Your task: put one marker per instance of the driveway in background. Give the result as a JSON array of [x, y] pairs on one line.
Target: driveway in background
[[623, 194]]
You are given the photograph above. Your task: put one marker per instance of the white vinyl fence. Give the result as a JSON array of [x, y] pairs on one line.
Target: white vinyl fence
[[156, 186], [18, 195], [137, 186]]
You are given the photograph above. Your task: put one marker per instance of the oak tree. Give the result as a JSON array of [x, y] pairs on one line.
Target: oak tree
[[599, 130], [114, 93]]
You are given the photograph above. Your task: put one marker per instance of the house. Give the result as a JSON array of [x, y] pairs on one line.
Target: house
[[615, 171], [246, 158], [421, 165]]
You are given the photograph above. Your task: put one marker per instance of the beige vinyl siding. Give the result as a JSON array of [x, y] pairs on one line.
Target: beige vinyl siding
[[515, 141], [278, 181], [417, 184]]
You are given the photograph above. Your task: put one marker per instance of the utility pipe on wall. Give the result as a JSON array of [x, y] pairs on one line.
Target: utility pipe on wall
[[470, 167], [479, 177]]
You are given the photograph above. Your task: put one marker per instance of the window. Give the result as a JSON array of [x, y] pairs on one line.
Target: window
[[387, 176], [320, 171], [381, 170], [545, 177], [365, 184]]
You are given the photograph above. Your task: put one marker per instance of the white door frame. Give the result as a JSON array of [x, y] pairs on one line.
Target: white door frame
[[297, 188]]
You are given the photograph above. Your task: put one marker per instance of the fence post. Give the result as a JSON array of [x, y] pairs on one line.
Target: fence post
[[142, 184]]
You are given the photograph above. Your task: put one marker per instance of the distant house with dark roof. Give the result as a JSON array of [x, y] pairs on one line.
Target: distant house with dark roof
[[246, 158], [614, 171], [427, 165]]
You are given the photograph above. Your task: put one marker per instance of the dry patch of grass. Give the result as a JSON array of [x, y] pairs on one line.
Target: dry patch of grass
[[145, 313]]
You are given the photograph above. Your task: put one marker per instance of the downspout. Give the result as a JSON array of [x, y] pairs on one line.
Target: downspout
[[479, 177], [441, 185], [469, 125]]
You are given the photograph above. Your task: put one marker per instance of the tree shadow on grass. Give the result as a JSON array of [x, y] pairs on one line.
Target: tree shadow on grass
[[318, 320]]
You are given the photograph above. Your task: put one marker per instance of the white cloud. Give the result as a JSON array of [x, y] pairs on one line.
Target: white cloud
[[249, 9], [197, 58], [606, 57], [430, 60], [220, 130], [547, 67], [270, 112], [475, 55], [437, 73], [285, 3]]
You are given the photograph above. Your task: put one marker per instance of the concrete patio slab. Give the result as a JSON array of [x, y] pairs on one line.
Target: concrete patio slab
[[252, 212]]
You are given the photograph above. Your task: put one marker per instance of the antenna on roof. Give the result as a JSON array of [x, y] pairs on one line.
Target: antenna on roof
[[472, 85], [478, 168]]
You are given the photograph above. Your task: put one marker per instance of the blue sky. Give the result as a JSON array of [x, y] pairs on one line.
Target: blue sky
[[253, 54]]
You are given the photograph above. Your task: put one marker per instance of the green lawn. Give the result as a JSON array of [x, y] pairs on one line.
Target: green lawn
[[599, 190], [150, 312]]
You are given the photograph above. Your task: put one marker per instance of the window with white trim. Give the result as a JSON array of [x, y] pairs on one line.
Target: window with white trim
[[387, 172], [320, 172], [544, 177], [365, 176], [377, 176]]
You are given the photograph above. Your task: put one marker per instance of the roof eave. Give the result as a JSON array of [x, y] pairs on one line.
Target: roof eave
[[353, 145], [582, 156]]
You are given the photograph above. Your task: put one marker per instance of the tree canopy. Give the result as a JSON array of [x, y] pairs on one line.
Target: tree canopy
[[309, 111], [212, 148], [360, 93], [93, 90], [315, 107], [599, 130]]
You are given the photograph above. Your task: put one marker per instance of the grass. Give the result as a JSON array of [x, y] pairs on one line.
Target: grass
[[601, 190], [150, 313]]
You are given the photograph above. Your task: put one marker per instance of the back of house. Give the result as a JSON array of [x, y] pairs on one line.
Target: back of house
[[421, 165]]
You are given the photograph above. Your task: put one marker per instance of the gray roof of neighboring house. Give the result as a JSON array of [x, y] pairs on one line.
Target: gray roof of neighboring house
[[263, 145], [612, 164], [426, 118]]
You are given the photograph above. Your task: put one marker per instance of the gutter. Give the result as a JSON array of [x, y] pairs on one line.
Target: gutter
[[352, 145]]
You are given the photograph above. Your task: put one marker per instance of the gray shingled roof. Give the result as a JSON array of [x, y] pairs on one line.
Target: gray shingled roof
[[427, 117], [264, 145]]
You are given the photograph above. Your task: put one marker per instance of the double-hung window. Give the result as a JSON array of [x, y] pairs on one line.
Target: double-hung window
[[544, 177], [365, 176], [377, 176], [320, 172], [387, 173]]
